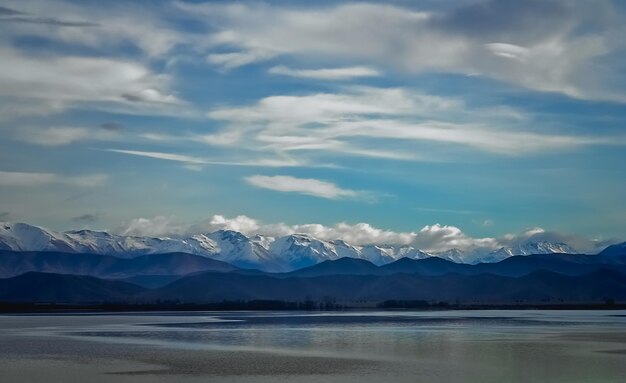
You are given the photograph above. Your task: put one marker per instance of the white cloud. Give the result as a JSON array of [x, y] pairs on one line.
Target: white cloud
[[240, 223], [327, 73], [510, 51], [443, 237], [308, 186], [28, 179]]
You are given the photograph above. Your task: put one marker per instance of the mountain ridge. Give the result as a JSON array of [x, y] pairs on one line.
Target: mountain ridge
[[272, 254]]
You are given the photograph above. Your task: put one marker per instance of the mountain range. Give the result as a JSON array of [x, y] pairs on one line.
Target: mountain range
[[272, 254], [86, 267]]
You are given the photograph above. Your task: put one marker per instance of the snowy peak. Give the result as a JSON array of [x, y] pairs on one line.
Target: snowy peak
[[453, 255], [528, 248], [542, 247], [300, 250], [24, 237], [237, 249]]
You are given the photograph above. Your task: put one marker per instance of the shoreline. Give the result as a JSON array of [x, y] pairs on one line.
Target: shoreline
[[45, 308]]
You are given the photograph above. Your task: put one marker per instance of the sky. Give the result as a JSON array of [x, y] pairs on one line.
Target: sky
[[468, 119]]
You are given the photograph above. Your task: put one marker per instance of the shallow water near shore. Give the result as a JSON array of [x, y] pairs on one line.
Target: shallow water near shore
[[425, 346]]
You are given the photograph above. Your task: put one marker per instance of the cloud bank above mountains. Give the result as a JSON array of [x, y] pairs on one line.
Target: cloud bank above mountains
[[431, 238]]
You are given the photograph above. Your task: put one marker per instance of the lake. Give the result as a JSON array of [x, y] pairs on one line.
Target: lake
[[354, 346]]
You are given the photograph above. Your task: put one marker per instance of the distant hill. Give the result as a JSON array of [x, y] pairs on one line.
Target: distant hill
[[618, 250], [151, 281], [15, 263], [341, 266], [540, 286], [159, 269], [56, 288], [568, 264]]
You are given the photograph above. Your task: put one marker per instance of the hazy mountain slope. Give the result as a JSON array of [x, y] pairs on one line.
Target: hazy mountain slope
[[618, 250], [433, 266], [16, 263], [341, 266], [56, 288], [541, 286]]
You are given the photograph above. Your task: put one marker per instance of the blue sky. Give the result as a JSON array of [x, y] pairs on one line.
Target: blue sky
[[484, 117]]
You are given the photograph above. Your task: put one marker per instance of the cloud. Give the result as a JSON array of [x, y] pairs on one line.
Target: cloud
[[326, 73], [63, 135], [85, 218], [36, 179], [438, 238], [47, 84], [112, 126], [12, 15], [240, 223], [48, 21], [156, 227], [554, 46], [430, 238], [358, 234], [99, 25], [308, 186], [233, 60], [199, 161], [332, 121], [162, 156], [510, 51], [4, 12], [538, 234]]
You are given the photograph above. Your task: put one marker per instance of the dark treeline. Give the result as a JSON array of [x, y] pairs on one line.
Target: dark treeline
[[253, 305], [277, 305]]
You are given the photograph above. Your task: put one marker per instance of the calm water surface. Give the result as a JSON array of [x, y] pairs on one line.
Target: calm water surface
[[431, 346]]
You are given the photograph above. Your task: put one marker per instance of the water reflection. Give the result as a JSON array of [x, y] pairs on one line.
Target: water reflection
[[482, 346]]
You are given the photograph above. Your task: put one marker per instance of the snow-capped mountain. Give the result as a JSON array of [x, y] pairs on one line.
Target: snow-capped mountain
[[261, 252], [454, 255]]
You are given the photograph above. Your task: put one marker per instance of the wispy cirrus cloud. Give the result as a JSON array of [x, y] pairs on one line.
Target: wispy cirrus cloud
[[308, 186], [331, 121], [200, 161]]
